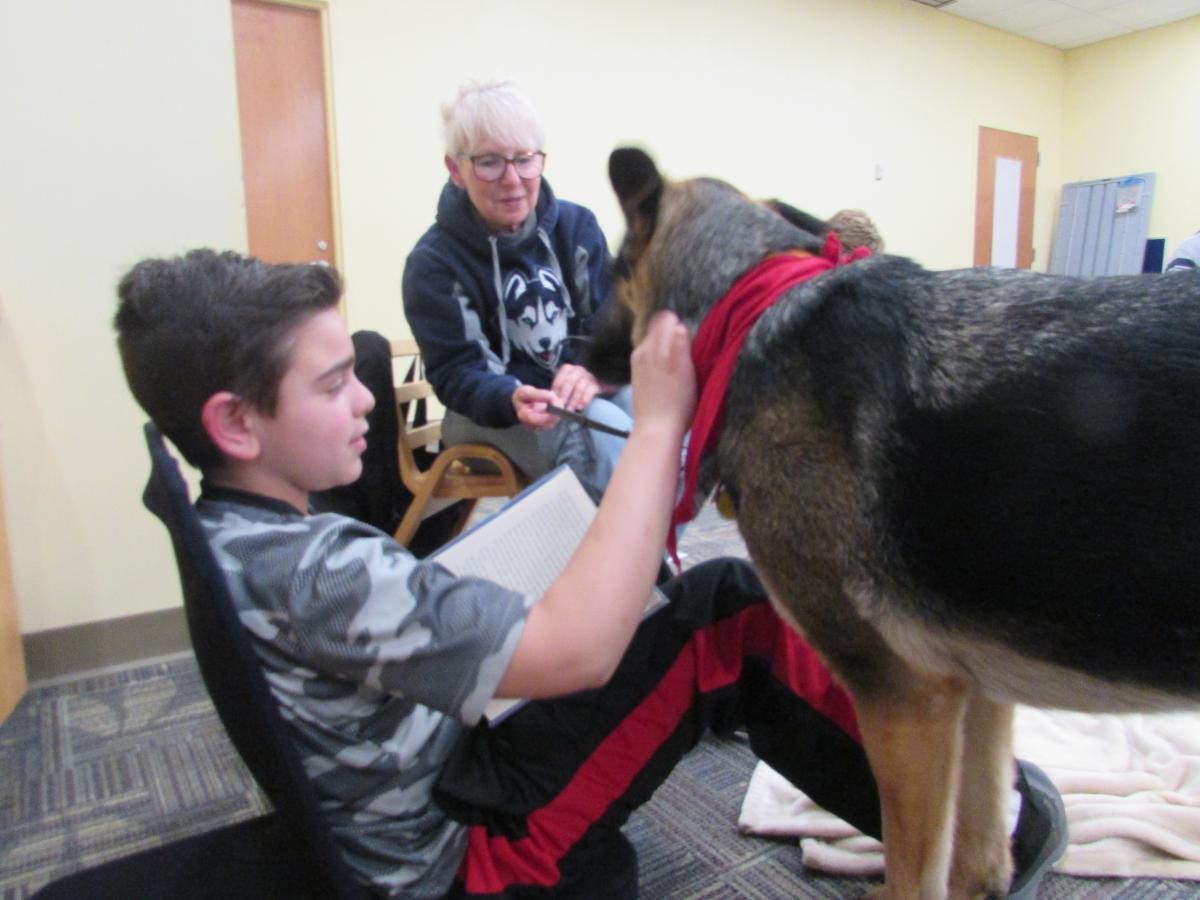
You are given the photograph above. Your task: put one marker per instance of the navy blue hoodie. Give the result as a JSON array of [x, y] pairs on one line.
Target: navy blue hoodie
[[493, 311]]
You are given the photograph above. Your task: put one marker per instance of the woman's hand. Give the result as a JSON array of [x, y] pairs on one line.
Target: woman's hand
[[529, 403], [575, 385]]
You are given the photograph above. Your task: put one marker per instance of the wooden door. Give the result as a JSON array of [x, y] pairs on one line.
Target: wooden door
[[283, 112], [12, 659], [1005, 183]]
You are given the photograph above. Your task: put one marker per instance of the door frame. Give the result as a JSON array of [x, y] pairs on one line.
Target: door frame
[[13, 678]]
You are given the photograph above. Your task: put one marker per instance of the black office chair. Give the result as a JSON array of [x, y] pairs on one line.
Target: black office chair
[[288, 853]]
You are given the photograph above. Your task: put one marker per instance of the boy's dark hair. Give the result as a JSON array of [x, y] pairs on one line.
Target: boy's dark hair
[[193, 325]]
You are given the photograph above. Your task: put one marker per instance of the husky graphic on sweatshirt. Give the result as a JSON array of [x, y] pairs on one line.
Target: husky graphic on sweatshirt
[[537, 310]]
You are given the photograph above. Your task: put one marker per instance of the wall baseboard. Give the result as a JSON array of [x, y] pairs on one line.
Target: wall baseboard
[[62, 652]]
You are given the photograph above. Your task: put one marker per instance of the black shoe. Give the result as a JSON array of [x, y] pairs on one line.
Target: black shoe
[[604, 867], [1041, 836]]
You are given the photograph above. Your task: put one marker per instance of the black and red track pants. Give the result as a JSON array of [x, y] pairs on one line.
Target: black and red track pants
[[544, 787]]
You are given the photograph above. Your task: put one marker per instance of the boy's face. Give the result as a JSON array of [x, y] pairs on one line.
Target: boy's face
[[316, 437]]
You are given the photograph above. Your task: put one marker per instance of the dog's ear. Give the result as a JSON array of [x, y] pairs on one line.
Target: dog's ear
[[636, 181], [639, 188]]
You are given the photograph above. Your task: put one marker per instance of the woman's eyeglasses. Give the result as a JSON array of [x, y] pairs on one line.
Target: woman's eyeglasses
[[492, 166]]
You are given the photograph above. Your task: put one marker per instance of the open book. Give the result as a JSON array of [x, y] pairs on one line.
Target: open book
[[527, 543]]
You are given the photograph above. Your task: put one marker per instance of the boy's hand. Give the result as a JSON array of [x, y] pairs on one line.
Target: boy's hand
[[529, 402], [664, 378], [575, 385]]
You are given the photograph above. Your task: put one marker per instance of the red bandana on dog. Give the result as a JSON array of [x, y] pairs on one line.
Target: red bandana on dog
[[719, 340]]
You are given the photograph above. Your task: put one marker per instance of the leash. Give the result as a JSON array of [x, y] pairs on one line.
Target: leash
[[719, 340], [581, 419]]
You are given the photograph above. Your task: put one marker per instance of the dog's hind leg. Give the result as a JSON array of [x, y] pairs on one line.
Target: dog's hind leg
[[982, 864], [912, 734]]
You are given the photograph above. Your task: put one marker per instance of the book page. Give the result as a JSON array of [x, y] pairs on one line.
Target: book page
[[526, 544]]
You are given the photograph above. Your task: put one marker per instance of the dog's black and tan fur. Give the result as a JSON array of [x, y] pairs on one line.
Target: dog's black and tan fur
[[966, 488]]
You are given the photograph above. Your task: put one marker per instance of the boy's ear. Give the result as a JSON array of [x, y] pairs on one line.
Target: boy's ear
[[226, 419], [452, 168]]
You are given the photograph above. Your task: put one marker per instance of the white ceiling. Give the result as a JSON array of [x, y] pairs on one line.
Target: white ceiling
[[1072, 23]]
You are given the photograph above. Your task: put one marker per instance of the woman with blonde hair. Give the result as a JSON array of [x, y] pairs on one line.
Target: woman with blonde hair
[[501, 292]]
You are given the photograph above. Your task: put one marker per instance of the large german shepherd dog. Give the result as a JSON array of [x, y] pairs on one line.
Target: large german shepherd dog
[[966, 488]]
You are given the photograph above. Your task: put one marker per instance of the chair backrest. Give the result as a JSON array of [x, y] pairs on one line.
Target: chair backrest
[[235, 680], [437, 475], [419, 437], [378, 497]]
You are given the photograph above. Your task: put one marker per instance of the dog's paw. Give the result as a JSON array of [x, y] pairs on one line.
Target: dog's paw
[[982, 868], [986, 885]]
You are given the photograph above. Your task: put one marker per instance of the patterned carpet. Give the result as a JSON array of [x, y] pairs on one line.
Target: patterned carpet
[[108, 765]]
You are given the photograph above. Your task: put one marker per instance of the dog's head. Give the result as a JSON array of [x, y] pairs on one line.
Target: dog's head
[[685, 244]]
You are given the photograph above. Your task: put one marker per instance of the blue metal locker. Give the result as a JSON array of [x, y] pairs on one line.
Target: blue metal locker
[[1102, 226]]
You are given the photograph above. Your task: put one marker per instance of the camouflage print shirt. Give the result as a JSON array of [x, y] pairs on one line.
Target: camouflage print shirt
[[379, 662]]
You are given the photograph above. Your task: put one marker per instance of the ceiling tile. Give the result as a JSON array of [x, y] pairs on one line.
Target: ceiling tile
[[1076, 32], [1148, 13], [1073, 23], [1093, 6], [984, 7], [1022, 17]]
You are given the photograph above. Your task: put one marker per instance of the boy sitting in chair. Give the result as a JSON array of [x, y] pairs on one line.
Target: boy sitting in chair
[[382, 664]]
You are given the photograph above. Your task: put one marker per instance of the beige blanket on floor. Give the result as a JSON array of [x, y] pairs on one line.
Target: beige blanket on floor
[[1131, 785]]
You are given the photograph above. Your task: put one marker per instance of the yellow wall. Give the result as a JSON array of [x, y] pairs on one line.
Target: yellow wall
[[798, 99], [1131, 107], [120, 141]]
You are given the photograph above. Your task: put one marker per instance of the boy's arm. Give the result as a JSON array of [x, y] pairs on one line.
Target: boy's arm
[[575, 636]]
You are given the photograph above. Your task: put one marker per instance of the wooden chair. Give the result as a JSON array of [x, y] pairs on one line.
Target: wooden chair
[[439, 476]]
